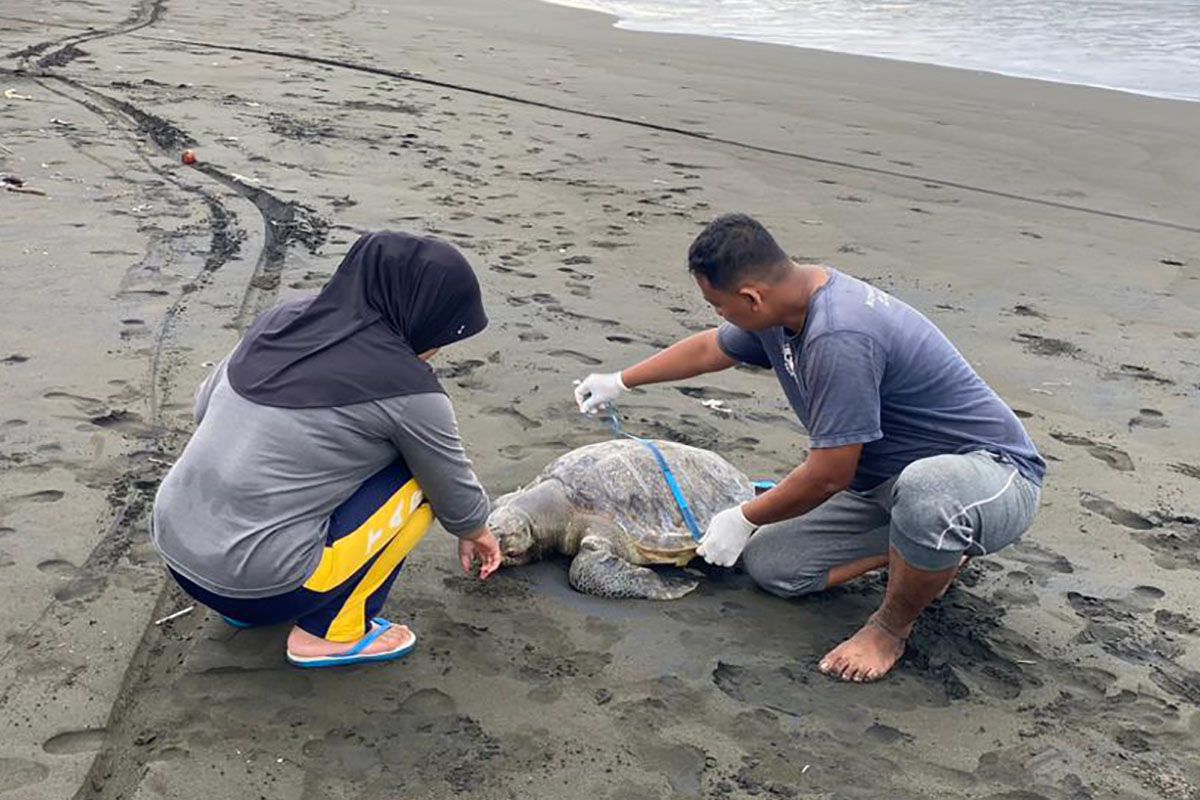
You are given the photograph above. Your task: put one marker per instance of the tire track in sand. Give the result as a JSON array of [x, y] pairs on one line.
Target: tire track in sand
[[131, 494]]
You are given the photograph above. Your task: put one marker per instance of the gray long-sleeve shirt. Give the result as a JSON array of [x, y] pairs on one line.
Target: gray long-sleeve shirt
[[245, 509]]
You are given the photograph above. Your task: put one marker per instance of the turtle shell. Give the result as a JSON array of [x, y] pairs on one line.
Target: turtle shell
[[621, 480]]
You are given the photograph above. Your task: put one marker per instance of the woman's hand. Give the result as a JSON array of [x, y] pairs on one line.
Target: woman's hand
[[479, 546]]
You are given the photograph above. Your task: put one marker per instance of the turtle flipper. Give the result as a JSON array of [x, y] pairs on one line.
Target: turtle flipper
[[599, 571]]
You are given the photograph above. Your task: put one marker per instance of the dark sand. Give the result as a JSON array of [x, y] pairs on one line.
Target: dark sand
[[1050, 230]]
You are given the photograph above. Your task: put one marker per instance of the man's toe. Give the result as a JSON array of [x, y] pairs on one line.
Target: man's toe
[[833, 663]]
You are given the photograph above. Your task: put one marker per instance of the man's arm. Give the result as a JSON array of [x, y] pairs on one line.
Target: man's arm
[[698, 354], [823, 474]]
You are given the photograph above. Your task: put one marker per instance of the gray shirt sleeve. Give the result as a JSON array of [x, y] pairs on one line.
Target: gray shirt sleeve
[[843, 371], [742, 346], [205, 389], [425, 431]]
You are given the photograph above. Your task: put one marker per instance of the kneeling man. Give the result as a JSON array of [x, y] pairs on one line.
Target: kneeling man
[[915, 463]]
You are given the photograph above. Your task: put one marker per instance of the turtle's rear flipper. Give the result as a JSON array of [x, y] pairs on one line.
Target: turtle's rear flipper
[[598, 571]]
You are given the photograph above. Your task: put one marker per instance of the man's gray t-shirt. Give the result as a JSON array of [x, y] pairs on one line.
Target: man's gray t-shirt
[[245, 510], [869, 369]]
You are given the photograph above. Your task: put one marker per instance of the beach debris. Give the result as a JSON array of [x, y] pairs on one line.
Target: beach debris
[[806, 766], [189, 157], [12, 180], [181, 612], [603, 696], [61, 122], [609, 506], [13, 94], [716, 405]]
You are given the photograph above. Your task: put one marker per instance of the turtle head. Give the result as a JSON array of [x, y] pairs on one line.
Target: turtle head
[[514, 530]]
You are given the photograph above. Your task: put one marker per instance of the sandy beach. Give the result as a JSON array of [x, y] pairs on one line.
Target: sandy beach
[[1052, 231]]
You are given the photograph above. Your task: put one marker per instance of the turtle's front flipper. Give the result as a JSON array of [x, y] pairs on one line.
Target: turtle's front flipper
[[599, 571]]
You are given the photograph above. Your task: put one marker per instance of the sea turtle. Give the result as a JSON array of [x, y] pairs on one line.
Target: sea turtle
[[609, 506]]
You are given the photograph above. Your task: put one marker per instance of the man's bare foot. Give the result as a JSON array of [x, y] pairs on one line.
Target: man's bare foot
[[867, 655], [303, 644]]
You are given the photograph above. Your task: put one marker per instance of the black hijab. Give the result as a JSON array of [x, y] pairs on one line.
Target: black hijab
[[393, 297]]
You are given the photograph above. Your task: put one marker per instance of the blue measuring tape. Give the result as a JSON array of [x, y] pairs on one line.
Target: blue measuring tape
[[672, 483]]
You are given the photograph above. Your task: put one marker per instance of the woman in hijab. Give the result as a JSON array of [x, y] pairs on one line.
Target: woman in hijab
[[324, 448]]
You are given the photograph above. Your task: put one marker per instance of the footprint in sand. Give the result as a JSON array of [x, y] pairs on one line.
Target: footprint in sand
[[1023, 310], [1174, 622], [1148, 418], [574, 355], [525, 422], [458, 369], [58, 567], [81, 587], [86, 740], [16, 773], [44, 496], [1040, 562], [1110, 455], [519, 452], [1175, 540], [1139, 373], [510, 271], [1044, 346], [1016, 589], [1113, 512], [118, 419]]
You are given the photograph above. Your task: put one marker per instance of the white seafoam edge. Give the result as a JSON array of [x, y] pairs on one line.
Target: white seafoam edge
[[649, 17]]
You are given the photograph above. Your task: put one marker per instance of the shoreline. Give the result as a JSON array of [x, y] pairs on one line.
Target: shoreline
[[620, 23]]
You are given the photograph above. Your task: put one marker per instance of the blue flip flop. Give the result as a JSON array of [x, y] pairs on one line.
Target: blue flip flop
[[237, 623], [355, 654]]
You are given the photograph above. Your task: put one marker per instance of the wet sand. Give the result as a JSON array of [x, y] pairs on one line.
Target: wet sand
[[1050, 230]]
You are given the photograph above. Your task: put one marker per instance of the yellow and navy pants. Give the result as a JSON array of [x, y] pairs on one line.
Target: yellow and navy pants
[[369, 537]]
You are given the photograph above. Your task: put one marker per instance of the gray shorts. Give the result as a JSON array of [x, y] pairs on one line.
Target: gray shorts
[[934, 512]]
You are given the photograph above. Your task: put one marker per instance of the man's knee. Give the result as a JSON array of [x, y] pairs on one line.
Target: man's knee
[[929, 526], [774, 574]]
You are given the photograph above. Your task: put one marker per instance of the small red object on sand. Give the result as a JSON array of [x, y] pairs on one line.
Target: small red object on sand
[[189, 157]]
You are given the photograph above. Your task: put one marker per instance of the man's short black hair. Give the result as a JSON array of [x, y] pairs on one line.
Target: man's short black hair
[[734, 248]]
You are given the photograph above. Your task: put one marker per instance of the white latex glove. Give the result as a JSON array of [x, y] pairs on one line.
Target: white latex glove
[[598, 390], [726, 537]]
